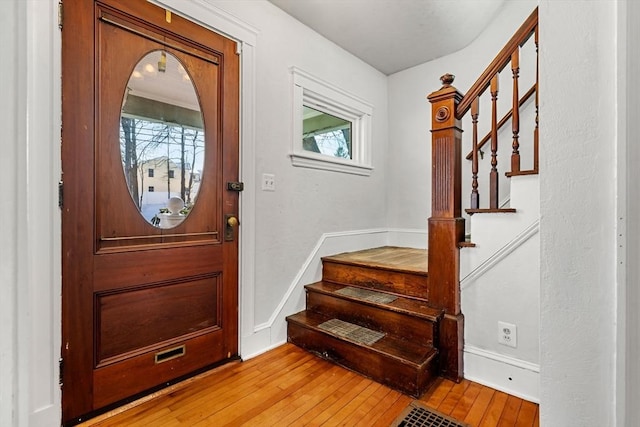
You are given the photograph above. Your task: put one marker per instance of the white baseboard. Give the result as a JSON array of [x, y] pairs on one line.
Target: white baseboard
[[261, 350], [507, 374]]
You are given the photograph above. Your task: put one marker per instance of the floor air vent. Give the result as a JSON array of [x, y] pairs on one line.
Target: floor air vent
[[418, 415]]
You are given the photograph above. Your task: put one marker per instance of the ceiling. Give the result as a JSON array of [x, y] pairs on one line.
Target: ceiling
[[392, 35]]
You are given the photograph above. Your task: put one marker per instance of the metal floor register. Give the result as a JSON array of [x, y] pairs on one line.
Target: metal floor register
[[418, 415]]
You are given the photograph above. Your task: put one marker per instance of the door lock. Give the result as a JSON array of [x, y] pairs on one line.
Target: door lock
[[230, 222]]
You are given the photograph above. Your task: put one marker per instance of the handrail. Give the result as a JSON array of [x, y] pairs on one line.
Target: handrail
[[504, 119], [519, 38]]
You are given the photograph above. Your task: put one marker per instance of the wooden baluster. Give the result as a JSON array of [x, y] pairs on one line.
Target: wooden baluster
[[535, 131], [515, 122], [493, 175], [475, 197]]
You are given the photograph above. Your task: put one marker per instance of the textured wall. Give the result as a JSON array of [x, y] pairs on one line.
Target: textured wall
[[629, 155], [577, 206], [306, 202]]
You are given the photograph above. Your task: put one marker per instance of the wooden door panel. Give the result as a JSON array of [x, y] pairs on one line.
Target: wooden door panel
[[160, 265], [135, 320], [140, 373]]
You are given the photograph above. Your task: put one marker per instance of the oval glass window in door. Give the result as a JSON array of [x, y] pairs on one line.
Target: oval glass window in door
[[162, 139]]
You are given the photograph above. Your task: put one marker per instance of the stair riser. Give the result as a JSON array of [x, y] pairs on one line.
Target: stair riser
[[411, 328], [406, 378], [403, 283]]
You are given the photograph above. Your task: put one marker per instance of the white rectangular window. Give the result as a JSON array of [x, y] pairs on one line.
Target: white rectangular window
[[325, 134], [331, 128]]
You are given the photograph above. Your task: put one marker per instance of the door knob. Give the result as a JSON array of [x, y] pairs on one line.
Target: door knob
[[231, 222]]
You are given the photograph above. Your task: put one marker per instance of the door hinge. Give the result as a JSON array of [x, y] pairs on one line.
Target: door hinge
[[60, 194], [235, 186], [61, 372], [60, 15]]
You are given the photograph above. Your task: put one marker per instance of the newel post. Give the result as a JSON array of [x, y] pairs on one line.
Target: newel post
[[446, 225]]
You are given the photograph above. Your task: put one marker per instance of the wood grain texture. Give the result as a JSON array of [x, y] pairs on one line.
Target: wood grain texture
[[129, 289], [386, 257], [287, 386], [401, 271], [411, 319], [503, 120], [523, 33]]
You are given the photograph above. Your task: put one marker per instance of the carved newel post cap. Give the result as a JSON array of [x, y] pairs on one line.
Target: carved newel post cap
[[447, 79]]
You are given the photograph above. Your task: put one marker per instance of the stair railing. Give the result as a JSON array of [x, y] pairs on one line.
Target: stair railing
[[509, 55], [446, 225]]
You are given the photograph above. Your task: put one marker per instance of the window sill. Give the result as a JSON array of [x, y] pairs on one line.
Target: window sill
[[330, 164]]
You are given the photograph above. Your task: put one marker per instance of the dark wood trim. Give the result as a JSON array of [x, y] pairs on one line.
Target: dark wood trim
[[494, 186], [446, 225], [499, 210], [77, 125], [501, 60], [521, 173], [466, 245]]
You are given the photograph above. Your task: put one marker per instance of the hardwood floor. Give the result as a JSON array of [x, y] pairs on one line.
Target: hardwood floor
[[288, 386]]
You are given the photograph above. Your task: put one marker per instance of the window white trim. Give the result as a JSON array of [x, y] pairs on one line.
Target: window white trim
[[322, 96]]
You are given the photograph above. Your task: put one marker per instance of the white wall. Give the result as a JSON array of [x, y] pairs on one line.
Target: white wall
[[500, 281], [628, 348], [578, 223], [11, 122], [508, 291], [307, 203]]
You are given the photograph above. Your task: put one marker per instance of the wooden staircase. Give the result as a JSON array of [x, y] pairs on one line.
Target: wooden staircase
[[377, 311], [370, 313]]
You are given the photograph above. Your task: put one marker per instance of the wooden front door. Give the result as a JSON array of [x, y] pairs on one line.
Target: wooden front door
[[150, 256]]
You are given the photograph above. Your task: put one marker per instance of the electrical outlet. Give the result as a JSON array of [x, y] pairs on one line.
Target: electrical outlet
[[507, 334], [268, 182]]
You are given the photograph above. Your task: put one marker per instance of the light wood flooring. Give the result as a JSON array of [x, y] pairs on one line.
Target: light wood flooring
[[288, 386]]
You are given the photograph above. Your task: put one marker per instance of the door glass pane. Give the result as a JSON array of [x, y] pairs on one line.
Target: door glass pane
[[162, 139]]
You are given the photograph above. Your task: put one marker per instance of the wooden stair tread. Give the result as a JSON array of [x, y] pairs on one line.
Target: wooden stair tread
[[410, 306], [394, 258], [406, 352], [490, 210], [522, 173]]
